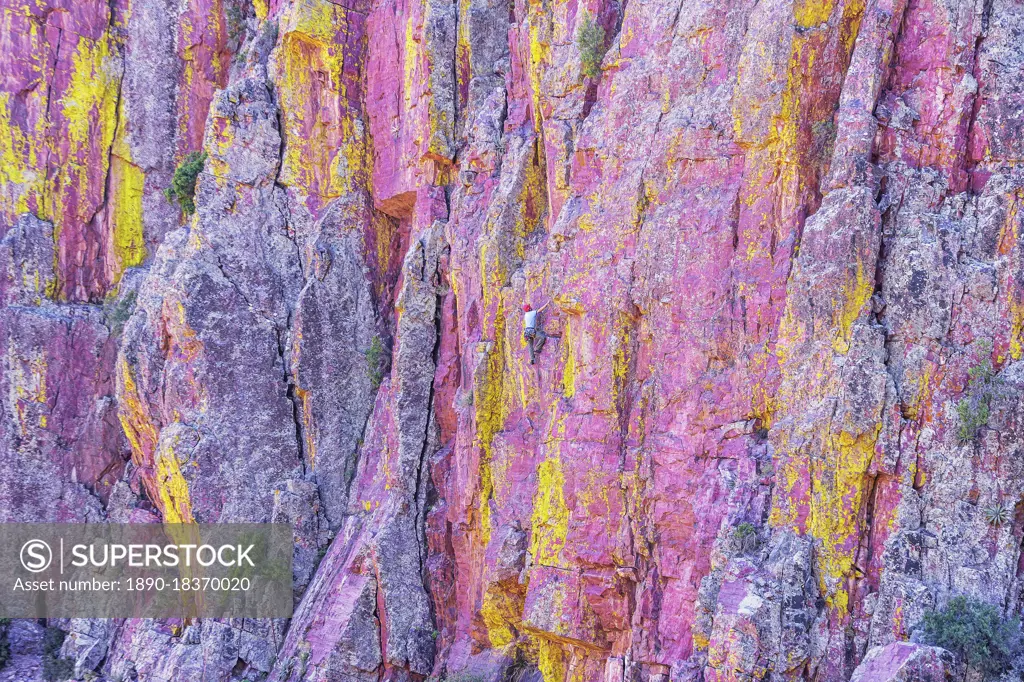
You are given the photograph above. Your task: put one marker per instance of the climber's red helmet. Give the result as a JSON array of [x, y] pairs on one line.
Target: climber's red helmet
[[526, 308]]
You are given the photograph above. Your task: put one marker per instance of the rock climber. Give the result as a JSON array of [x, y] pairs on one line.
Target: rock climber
[[534, 332]]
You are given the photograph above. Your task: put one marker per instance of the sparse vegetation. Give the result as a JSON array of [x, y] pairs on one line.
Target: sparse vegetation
[[235, 20], [375, 362], [5, 644], [976, 633], [183, 184], [119, 311], [973, 415], [824, 139], [320, 554], [998, 514], [745, 535], [590, 40], [55, 667], [303, 662], [268, 36], [974, 409], [53, 640]]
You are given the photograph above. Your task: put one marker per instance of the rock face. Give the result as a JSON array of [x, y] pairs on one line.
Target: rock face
[[903, 661], [777, 418]]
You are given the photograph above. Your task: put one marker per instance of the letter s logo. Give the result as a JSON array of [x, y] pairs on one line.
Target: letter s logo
[[36, 556]]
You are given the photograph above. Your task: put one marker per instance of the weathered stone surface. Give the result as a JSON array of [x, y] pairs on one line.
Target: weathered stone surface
[[903, 661], [62, 450], [780, 246]]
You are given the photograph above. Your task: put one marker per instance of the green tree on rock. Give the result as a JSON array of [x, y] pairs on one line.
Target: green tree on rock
[[183, 184]]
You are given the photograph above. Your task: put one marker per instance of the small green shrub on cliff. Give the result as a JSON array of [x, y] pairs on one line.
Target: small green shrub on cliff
[[53, 640], [183, 184], [998, 514], [118, 312], [975, 631], [375, 361], [745, 535], [235, 20], [973, 411], [590, 40], [5, 644], [55, 667]]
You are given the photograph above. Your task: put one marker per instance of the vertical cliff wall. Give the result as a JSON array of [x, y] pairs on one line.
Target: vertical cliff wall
[[779, 415]]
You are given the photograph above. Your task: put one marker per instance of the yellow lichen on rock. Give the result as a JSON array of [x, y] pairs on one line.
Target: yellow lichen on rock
[[175, 503], [127, 240], [550, 519]]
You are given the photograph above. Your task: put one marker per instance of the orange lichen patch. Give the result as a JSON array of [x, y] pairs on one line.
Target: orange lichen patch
[[838, 495], [90, 102], [823, 496], [533, 199], [763, 402], [88, 106], [203, 40], [550, 519], [161, 471], [23, 144], [221, 134], [55, 153], [325, 151], [306, 403], [621, 358], [782, 162], [489, 385], [916, 404], [823, 470], [538, 62], [27, 387], [411, 54], [569, 351], [261, 9], [1016, 329], [810, 13], [490, 416], [127, 242], [1010, 228], [855, 296], [311, 152], [500, 612], [142, 434], [463, 50], [550, 660], [172, 490], [187, 343], [22, 180], [791, 472]]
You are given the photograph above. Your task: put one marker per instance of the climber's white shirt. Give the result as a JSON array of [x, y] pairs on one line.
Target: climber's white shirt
[[530, 320]]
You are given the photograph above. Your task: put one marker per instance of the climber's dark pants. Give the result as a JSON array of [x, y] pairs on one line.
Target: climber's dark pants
[[535, 339]]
